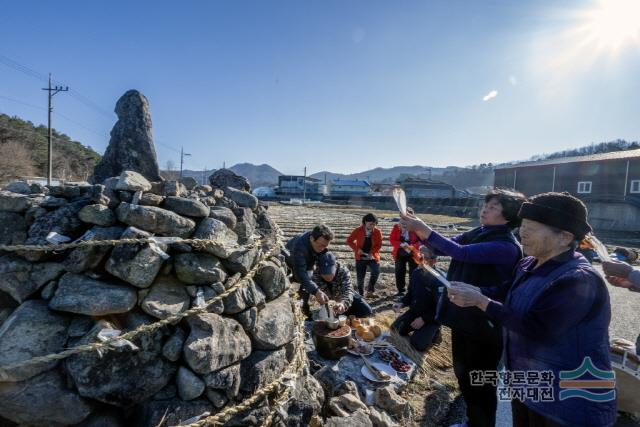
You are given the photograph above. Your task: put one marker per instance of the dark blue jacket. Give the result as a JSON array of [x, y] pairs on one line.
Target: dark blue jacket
[[301, 260], [554, 317]]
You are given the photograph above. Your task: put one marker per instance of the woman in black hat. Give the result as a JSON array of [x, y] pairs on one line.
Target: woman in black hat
[[556, 319]]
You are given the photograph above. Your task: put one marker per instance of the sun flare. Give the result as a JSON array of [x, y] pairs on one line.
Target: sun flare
[[612, 24]]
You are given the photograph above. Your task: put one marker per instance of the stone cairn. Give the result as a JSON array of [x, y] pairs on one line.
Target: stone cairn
[[137, 303]]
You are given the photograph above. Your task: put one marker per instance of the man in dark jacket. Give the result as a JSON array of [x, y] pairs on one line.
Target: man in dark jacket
[[422, 300], [334, 280], [301, 255]]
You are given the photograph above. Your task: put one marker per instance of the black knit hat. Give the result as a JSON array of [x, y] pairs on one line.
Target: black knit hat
[[560, 210]]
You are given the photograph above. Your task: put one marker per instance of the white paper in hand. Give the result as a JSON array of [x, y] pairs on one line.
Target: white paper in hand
[[401, 200]]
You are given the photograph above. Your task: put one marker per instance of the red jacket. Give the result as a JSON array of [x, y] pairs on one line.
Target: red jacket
[[395, 238], [356, 241]]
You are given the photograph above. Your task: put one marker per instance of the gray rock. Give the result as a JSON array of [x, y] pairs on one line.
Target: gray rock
[[43, 400], [21, 279], [155, 220], [357, 419], [274, 326], [186, 207], [214, 343], [248, 318], [80, 326], [20, 187], [104, 418], [223, 178], [240, 260], [199, 268], [170, 391], [173, 188], [264, 223], [48, 291], [216, 397], [83, 295], [388, 400], [172, 349], [306, 403], [380, 419], [208, 200], [190, 386], [68, 191], [32, 330], [244, 199], [245, 231], [52, 202], [272, 280], [346, 404], [37, 188], [14, 202], [7, 305], [174, 412], [98, 215], [131, 145], [136, 264], [261, 368], [90, 257], [226, 379], [150, 199], [166, 298], [63, 221], [132, 181], [246, 296], [189, 182], [213, 229], [33, 213], [348, 387], [206, 189], [225, 215], [13, 228], [125, 196], [121, 376]]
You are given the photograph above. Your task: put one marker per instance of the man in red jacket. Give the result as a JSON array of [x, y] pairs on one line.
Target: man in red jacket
[[366, 242]]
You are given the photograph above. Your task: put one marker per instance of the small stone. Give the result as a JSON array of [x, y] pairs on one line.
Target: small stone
[[20, 187], [272, 280], [226, 379], [217, 398], [274, 326], [132, 181], [260, 368], [190, 386], [136, 264], [51, 202], [240, 260], [187, 207], [83, 295], [246, 296], [206, 189], [21, 279], [14, 202], [225, 215], [125, 196], [172, 349], [13, 228], [189, 182], [213, 229], [244, 199], [170, 391], [98, 215], [223, 178], [346, 404], [248, 318], [388, 400], [90, 257], [173, 188], [80, 326], [150, 199], [63, 221], [348, 387], [48, 291], [155, 220], [166, 298], [380, 419], [357, 419], [199, 268]]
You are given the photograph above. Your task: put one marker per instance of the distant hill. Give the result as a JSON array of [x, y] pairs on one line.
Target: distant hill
[[258, 175], [23, 152]]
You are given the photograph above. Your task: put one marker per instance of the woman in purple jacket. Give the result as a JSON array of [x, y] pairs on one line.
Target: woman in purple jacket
[[556, 319]]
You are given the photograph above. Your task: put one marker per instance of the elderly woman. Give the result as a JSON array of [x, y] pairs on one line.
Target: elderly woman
[[556, 314], [485, 256]]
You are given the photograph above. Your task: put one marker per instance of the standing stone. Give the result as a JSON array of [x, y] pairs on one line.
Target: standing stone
[[121, 376], [131, 145], [166, 298], [199, 269], [155, 220], [135, 264], [190, 386], [274, 326], [43, 400], [84, 295], [21, 279], [214, 343], [98, 215], [32, 330]]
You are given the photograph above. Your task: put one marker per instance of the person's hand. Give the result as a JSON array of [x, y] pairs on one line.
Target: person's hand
[[465, 285], [620, 282], [464, 296], [339, 308], [397, 307], [616, 268], [415, 224], [321, 297], [417, 323]]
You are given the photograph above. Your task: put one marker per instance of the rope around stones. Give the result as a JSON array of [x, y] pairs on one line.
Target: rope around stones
[[5, 371]]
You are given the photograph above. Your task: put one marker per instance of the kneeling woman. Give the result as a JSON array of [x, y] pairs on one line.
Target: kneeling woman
[[556, 315]]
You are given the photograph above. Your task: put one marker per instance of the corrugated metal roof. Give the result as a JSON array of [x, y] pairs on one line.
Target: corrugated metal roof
[[351, 182], [615, 155]]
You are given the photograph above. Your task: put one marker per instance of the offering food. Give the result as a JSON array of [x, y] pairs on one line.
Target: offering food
[[395, 360], [368, 336], [400, 366], [359, 347], [377, 331]]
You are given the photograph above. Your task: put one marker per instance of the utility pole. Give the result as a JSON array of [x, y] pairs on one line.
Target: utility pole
[[51, 91], [204, 175], [182, 155], [304, 185]]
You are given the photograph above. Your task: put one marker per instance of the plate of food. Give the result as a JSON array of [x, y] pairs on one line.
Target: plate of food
[[357, 347], [395, 360], [384, 375]]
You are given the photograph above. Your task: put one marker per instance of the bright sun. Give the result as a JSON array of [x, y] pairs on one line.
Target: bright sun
[[613, 23]]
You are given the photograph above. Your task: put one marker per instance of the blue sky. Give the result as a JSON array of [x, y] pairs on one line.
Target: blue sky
[[332, 85]]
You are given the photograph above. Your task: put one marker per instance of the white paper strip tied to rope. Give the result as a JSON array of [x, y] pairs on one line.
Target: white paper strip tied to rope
[[401, 200]]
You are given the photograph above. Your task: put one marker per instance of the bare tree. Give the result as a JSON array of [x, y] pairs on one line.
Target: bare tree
[[15, 161]]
